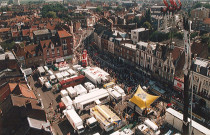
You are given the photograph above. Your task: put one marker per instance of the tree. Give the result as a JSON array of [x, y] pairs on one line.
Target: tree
[[53, 7], [119, 8], [148, 16], [98, 9], [8, 45], [159, 36], [51, 14], [136, 20], [147, 25], [197, 5]]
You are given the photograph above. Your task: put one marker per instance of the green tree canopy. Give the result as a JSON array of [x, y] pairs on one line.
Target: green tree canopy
[[52, 7], [147, 25], [51, 14], [98, 9], [159, 36]]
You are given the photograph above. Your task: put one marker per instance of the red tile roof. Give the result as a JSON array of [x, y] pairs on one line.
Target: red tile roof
[[4, 29], [30, 48], [34, 26], [15, 34], [63, 34], [23, 88], [45, 42], [26, 32]]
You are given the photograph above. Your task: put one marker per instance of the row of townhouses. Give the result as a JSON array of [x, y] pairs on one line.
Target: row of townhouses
[[160, 61]]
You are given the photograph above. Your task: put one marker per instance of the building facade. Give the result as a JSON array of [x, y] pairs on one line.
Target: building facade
[[200, 81]]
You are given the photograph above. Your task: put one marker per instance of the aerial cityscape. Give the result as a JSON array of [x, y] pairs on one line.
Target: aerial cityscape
[[104, 67]]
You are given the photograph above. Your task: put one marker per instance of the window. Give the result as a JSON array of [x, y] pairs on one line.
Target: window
[[48, 54], [64, 41], [58, 52]]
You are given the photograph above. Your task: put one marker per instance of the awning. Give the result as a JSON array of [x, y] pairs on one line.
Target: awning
[[143, 99]]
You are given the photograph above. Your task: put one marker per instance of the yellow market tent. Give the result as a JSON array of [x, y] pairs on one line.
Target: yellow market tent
[[143, 99]]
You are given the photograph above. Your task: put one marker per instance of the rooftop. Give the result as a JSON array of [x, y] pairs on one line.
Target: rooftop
[[63, 34], [132, 46], [41, 32], [202, 63], [7, 54], [139, 30]]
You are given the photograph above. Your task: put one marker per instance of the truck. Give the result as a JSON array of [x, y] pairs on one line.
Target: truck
[[46, 68], [59, 76], [64, 93], [114, 94], [80, 89], [89, 86], [153, 126], [67, 102], [91, 122], [72, 92], [47, 85], [65, 74], [53, 79], [142, 129], [42, 80], [71, 72], [75, 121], [41, 71]]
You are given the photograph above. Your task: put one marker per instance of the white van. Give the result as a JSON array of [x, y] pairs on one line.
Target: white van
[[53, 79], [42, 80], [41, 71], [46, 68], [48, 85], [153, 126]]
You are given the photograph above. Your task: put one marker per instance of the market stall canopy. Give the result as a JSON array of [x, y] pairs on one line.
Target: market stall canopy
[[143, 99]]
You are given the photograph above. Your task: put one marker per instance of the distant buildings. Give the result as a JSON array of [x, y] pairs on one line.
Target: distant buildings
[[46, 51], [201, 20], [16, 2], [140, 34], [200, 13]]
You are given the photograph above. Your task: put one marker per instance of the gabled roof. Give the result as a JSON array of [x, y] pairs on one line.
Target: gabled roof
[[63, 34], [6, 90], [26, 32], [30, 48], [45, 43], [4, 29], [15, 34], [25, 91]]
